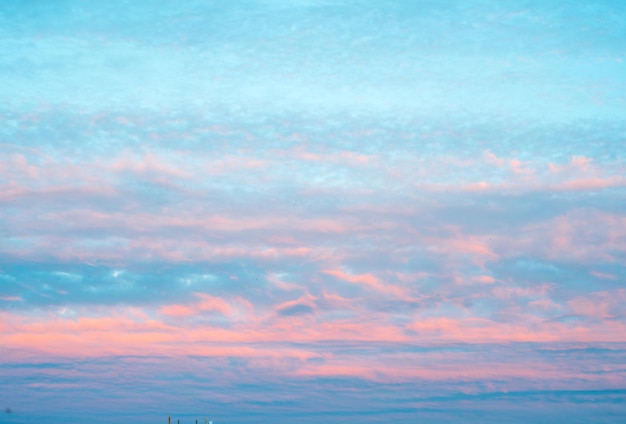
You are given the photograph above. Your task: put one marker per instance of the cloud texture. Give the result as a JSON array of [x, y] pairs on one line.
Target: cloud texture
[[313, 210]]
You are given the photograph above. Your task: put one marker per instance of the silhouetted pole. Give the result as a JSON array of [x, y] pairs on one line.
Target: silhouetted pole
[[169, 419]]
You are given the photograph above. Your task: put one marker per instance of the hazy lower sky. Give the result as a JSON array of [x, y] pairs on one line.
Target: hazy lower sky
[[312, 210]]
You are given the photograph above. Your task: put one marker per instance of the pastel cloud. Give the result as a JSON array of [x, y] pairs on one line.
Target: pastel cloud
[[223, 206]]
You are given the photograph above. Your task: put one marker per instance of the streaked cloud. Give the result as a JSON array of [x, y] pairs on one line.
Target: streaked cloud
[[312, 210]]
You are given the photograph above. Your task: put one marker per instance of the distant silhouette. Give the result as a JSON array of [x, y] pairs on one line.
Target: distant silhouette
[[8, 411]]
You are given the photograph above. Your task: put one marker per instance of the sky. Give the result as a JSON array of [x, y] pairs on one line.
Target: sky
[[313, 211]]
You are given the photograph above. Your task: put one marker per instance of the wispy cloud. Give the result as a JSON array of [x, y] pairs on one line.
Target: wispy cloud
[[312, 210]]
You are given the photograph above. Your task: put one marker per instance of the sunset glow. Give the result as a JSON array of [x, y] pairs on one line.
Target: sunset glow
[[313, 210]]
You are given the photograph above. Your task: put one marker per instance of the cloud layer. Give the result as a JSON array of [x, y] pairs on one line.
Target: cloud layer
[[313, 210]]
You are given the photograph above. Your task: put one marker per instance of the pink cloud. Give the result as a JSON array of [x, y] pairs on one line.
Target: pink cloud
[[516, 166], [19, 166], [368, 280], [150, 163], [205, 303], [581, 184], [345, 157], [177, 310], [283, 285], [470, 244], [491, 158], [483, 279], [568, 237], [337, 301], [604, 276], [306, 300], [479, 330], [600, 304], [577, 163], [13, 192], [134, 332], [573, 235], [478, 247], [210, 303], [519, 167], [199, 221]]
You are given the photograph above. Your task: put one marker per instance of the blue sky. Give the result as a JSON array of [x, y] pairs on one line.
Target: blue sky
[[310, 210]]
